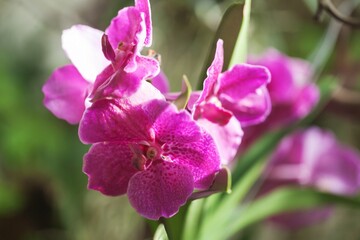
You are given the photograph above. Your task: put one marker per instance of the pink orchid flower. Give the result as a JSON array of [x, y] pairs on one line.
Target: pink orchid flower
[[152, 152], [103, 64], [240, 92], [230, 100], [312, 158], [292, 93]]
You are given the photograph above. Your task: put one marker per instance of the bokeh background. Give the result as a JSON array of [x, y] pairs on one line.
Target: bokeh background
[[43, 192]]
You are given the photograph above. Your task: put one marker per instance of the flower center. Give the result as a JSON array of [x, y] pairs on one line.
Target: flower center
[[151, 153], [144, 153]]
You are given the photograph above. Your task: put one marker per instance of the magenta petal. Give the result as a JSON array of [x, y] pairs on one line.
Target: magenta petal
[[147, 67], [107, 49], [201, 157], [171, 125], [65, 93], [161, 82], [82, 45], [305, 101], [109, 167], [337, 171], [124, 27], [281, 75], [160, 190], [120, 84], [287, 74], [144, 7], [252, 109], [213, 73], [243, 79], [227, 138], [113, 120], [213, 113]]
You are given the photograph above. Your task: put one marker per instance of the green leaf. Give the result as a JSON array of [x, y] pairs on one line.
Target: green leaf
[[160, 233], [240, 51], [229, 202], [283, 200], [228, 31], [193, 219], [182, 100]]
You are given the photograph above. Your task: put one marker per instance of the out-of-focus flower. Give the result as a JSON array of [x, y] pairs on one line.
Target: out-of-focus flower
[[312, 158], [240, 92], [292, 94], [103, 64], [154, 153]]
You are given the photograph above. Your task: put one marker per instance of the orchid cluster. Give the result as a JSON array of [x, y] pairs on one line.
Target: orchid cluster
[[161, 153], [142, 145]]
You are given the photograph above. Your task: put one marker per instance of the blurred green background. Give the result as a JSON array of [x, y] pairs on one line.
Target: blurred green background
[[43, 192]]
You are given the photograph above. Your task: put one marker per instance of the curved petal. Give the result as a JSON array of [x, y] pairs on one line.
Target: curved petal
[[169, 124], [201, 157], [161, 82], [160, 190], [82, 45], [113, 120], [144, 7], [281, 76], [126, 28], [213, 73], [120, 84], [213, 113], [65, 93], [227, 138], [252, 109], [242, 80], [109, 167]]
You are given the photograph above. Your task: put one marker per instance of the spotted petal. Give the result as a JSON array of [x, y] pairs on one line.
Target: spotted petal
[[160, 190], [201, 157], [113, 120], [109, 167], [171, 125]]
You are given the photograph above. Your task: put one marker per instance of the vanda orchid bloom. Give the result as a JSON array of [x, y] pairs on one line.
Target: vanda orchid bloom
[[230, 100], [152, 152], [312, 158], [103, 64], [240, 92]]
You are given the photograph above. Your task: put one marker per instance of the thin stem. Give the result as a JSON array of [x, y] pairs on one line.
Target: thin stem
[[329, 7]]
